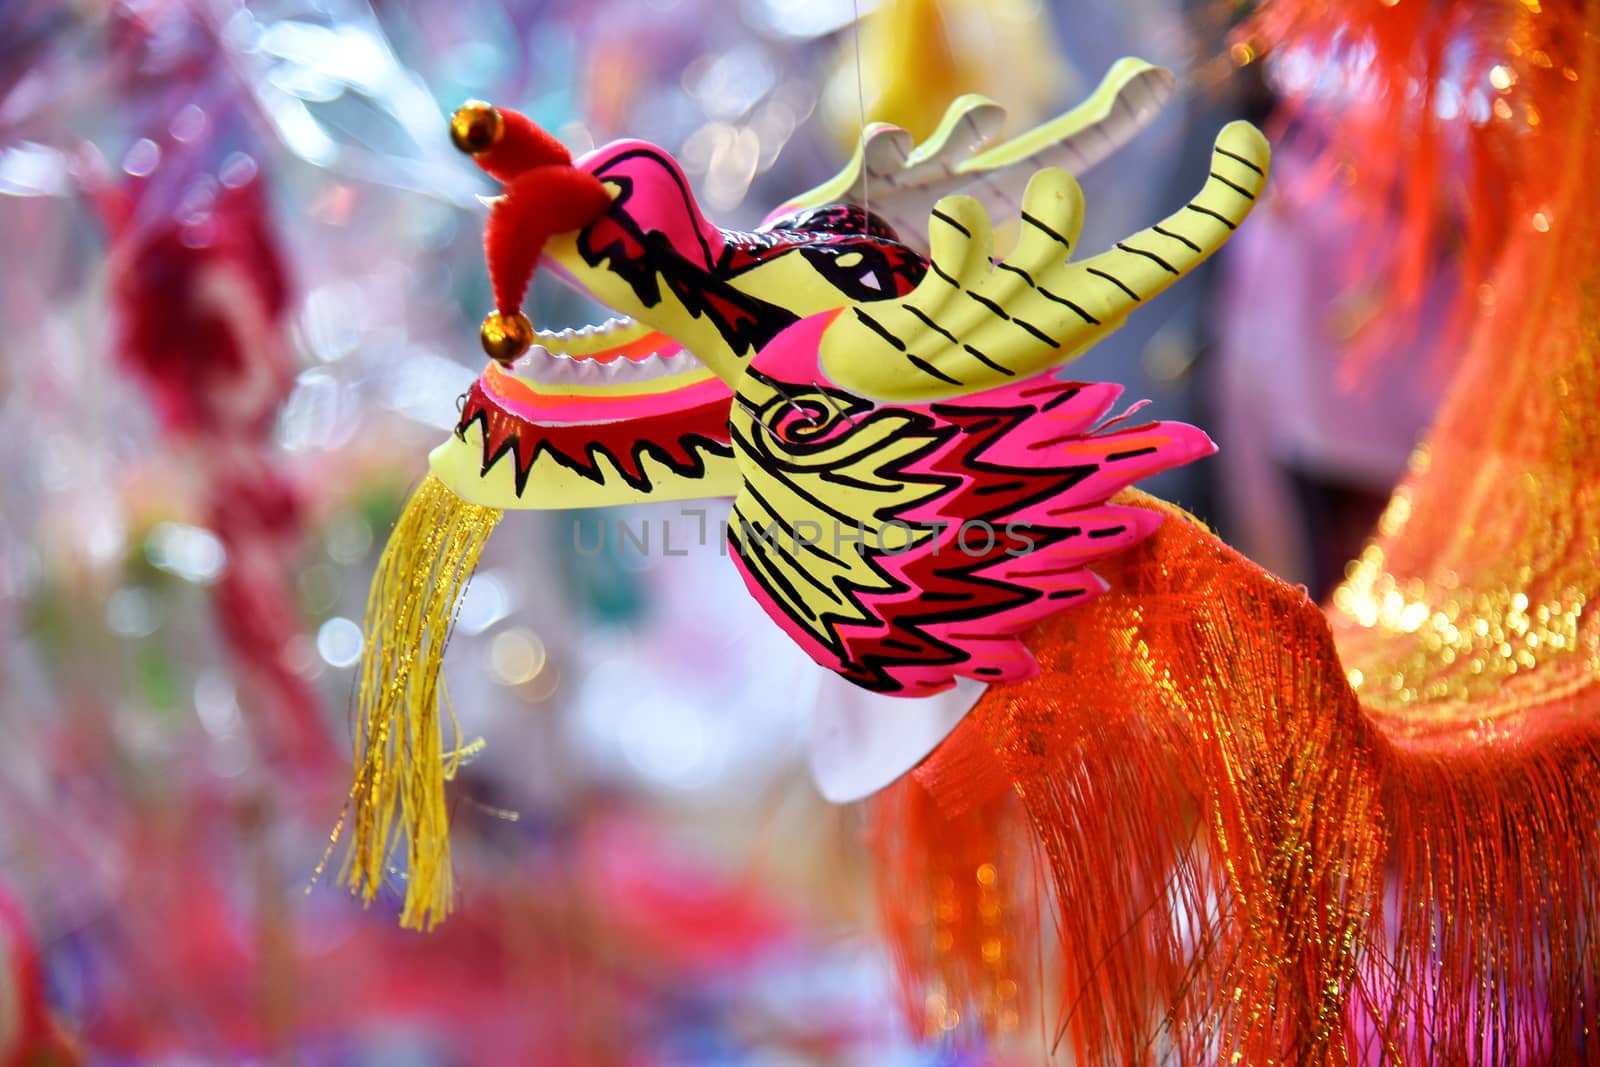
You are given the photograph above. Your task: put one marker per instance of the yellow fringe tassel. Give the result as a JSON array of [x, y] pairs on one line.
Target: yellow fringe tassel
[[401, 763]]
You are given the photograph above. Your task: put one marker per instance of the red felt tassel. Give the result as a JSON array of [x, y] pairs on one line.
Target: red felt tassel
[[544, 194], [537, 204]]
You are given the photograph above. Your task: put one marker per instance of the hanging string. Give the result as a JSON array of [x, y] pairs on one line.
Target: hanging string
[[861, 104]]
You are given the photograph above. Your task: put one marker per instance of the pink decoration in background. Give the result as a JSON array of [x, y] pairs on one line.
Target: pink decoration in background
[[199, 292]]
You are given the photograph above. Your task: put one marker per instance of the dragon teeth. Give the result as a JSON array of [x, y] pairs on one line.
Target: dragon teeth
[[540, 366], [609, 326]]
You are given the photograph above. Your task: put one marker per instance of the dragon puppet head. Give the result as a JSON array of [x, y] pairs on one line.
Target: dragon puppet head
[[913, 486]]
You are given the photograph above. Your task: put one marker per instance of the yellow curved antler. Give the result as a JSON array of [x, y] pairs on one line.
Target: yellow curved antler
[[973, 324]]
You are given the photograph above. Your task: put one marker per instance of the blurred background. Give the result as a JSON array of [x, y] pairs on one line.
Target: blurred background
[[242, 277]]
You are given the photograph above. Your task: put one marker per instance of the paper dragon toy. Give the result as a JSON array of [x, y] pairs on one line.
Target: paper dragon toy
[[1272, 834], [913, 487]]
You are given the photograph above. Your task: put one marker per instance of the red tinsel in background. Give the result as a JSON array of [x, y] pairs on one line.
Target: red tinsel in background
[[199, 292]]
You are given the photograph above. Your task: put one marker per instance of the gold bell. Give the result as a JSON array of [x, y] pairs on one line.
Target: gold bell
[[506, 337], [476, 127]]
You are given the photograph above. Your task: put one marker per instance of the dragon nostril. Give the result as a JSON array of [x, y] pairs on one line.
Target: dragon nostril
[[476, 127]]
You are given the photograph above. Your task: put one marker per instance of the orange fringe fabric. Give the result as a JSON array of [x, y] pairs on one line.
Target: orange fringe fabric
[[1426, 108], [1274, 834], [1214, 850], [962, 916]]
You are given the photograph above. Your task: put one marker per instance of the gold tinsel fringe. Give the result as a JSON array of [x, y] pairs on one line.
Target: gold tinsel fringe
[[401, 763]]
